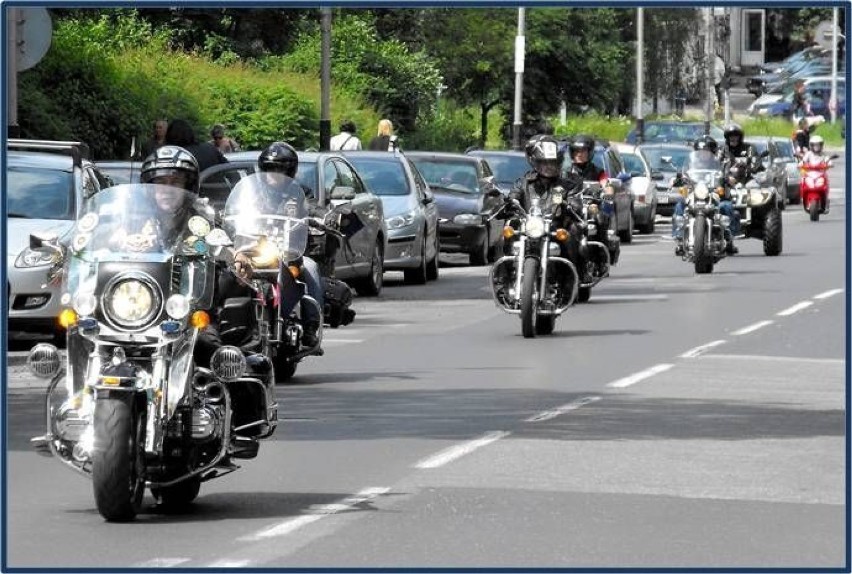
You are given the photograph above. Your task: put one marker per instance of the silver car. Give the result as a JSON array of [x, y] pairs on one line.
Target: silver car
[[787, 156], [410, 212], [45, 190], [643, 188], [665, 160]]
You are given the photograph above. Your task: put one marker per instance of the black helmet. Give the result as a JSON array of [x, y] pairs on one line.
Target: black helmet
[[582, 142], [706, 142], [170, 161], [279, 157], [733, 130], [544, 155]]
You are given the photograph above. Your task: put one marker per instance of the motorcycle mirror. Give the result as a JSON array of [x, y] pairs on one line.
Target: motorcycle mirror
[[44, 242], [833, 156], [344, 193], [344, 208], [764, 153], [493, 192]]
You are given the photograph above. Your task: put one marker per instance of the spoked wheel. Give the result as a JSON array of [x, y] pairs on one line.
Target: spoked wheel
[[118, 459], [529, 297]]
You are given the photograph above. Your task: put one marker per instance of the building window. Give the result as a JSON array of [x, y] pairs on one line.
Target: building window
[[754, 34]]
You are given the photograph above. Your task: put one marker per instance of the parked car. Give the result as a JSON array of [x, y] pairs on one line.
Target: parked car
[[774, 172], [806, 54], [46, 185], [791, 165], [119, 171], [813, 84], [643, 188], [758, 83], [410, 212], [324, 175], [466, 196], [672, 131], [664, 172], [507, 166], [818, 105]]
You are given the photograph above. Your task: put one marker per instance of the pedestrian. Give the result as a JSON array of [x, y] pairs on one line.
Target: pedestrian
[[800, 101], [346, 140], [180, 133], [718, 78], [224, 143], [385, 139], [157, 139]]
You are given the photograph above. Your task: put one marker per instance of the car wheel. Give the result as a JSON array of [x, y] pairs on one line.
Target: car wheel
[[432, 269], [371, 285], [626, 235], [496, 251], [782, 205], [419, 274], [480, 256], [648, 228]]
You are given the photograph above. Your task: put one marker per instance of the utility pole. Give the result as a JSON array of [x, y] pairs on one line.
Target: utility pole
[[640, 63], [325, 79], [13, 128], [519, 80], [710, 64], [833, 100]]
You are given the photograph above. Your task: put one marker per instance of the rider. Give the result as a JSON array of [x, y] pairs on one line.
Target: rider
[[801, 138], [736, 147], [582, 149], [280, 157], [814, 153]]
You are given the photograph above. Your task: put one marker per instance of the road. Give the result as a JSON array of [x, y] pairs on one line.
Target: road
[[675, 420]]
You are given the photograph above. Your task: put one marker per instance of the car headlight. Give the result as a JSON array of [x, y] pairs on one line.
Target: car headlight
[[131, 302], [701, 191], [467, 219], [400, 221], [30, 258], [535, 227], [85, 304]]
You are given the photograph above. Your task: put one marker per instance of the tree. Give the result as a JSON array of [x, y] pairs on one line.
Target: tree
[[668, 33]]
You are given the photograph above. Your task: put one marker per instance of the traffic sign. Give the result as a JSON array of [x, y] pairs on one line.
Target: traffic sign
[[34, 33]]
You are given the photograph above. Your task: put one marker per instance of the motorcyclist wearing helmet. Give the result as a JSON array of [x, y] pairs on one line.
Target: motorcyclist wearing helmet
[[582, 150], [281, 157], [706, 143], [815, 152], [736, 147]]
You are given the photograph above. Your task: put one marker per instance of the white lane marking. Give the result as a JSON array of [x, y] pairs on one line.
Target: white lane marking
[[828, 294], [660, 297], [641, 375], [458, 451], [795, 308], [553, 413], [752, 328], [315, 513], [776, 359], [692, 353], [161, 563], [229, 564], [341, 341]]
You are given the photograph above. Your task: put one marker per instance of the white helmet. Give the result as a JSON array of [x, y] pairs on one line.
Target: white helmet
[[816, 143]]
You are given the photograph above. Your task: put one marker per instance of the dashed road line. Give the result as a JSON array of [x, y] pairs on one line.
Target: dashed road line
[[828, 294], [795, 308], [553, 413], [161, 563], [701, 349], [752, 328], [458, 451], [641, 375]]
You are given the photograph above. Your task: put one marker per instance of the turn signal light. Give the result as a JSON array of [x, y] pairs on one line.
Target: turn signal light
[[67, 318], [199, 319], [508, 232], [562, 235], [295, 270]]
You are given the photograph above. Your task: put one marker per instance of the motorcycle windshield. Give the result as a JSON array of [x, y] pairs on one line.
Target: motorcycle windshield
[[270, 206], [141, 228], [705, 167]]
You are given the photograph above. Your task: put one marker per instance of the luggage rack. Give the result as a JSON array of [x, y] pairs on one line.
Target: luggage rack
[[77, 150]]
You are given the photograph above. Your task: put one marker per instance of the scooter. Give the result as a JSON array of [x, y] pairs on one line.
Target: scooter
[[814, 187]]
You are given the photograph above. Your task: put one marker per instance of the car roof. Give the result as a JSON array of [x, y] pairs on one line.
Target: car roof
[[672, 145], [496, 152], [305, 156], [373, 154], [32, 160], [442, 155]]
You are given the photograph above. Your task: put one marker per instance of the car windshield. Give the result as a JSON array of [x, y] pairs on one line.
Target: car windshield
[[39, 193], [382, 176], [633, 164], [679, 132], [759, 146], [452, 175], [679, 157], [507, 168], [785, 148], [120, 175]]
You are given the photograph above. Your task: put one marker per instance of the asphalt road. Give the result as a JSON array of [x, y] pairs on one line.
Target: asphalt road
[[675, 420]]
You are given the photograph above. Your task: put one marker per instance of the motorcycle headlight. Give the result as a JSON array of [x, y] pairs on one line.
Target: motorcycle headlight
[[266, 256], [400, 221], [467, 219], [31, 258], [701, 191], [85, 304], [535, 227], [131, 301], [177, 306], [755, 197]]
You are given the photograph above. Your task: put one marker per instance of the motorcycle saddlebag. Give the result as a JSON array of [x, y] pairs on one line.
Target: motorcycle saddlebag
[[338, 299]]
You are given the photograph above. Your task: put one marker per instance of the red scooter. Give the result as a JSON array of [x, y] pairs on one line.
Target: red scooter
[[814, 187]]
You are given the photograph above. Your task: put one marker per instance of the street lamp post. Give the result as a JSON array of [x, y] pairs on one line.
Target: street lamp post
[[640, 51], [710, 64], [325, 79], [519, 80], [833, 100]]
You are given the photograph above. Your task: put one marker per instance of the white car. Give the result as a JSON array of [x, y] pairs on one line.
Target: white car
[[643, 188]]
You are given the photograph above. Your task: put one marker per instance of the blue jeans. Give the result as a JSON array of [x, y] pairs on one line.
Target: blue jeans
[[677, 228], [313, 283], [726, 207]]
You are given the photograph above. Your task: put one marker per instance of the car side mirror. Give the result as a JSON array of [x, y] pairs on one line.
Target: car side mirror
[[343, 193], [44, 242], [494, 192], [764, 153]]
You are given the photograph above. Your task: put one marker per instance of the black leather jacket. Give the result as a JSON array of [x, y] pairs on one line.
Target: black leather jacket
[[588, 172], [533, 185]]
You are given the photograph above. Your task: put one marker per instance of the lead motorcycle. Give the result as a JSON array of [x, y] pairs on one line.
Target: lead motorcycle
[[539, 284], [135, 410]]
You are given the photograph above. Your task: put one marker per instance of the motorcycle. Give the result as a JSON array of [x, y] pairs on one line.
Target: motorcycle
[[705, 230], [759, 207], [814, 187], [267, 219], [600, 246], [135, 410], [540, 285]]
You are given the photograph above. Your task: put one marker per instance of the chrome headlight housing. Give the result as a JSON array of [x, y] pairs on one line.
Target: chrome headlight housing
[[467, 219], [535, 227], [132, 300], [400, 221]]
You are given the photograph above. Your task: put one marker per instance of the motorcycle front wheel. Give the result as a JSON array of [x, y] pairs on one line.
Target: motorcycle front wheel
[[703, 259], [529, 297]]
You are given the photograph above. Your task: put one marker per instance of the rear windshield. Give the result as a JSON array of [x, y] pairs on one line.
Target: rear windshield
[[40, 194], [455, 175], [507, 168], [383, 177]]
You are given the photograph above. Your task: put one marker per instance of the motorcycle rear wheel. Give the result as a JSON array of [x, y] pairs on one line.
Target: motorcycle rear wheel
[[529, 297], [118, 474]]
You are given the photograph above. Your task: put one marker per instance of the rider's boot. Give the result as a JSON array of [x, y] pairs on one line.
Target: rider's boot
[[309, 336]]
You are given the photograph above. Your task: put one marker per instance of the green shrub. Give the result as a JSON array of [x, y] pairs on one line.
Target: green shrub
[[451, 129]]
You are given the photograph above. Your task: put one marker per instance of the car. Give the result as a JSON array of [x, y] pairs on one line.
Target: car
[[818, 106], [325, 175], [758, 84], [410, 212], [664, 172], [643, 188], [119, 171], [813, 85], [673, 132], [791, 165], [806, 54], [466, 196], [508, 166], [47, 183], [774, 172]]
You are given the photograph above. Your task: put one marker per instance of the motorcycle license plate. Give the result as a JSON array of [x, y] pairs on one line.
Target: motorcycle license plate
[[662, 199]]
